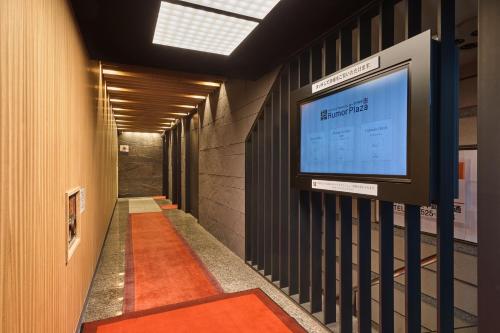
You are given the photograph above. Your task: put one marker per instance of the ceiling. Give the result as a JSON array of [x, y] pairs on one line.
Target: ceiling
[[121, 31], [160, 84], [146, 100]]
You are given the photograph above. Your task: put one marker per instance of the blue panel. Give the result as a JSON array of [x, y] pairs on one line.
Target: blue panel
[[361, 130]]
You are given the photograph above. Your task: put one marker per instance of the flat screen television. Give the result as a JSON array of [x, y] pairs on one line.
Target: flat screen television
[[360, 130], [367, 130]]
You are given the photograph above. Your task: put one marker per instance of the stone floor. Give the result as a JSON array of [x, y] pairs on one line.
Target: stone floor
[[106, 294]]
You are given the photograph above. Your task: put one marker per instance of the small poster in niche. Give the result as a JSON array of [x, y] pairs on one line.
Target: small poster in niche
[[72, 222]]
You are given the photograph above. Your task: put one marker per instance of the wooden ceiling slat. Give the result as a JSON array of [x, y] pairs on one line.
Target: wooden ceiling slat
[[146, 98], [139, 117], [155, 72], [146, 95], [153, 106], [159, 94], [142, 126], [146, 122], [173, 85]]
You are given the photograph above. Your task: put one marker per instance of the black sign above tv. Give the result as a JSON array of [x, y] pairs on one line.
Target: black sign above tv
[[366, 130]]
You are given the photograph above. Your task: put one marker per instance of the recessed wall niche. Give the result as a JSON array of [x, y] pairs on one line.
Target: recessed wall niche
[[72, 222]]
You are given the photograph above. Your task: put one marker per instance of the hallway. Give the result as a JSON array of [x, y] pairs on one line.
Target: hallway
[[249, 166], [106, 297]]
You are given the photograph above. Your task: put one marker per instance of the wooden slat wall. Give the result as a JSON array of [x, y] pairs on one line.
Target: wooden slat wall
[[56, 132]]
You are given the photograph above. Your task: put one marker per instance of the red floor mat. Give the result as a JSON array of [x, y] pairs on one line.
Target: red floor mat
[[242, 312], [167, 207], [161, 268]]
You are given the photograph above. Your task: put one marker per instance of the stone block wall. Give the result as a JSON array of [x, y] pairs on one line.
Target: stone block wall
[[225, 121], [140, 170]]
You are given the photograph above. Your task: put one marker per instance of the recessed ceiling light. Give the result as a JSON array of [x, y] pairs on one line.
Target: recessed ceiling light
[[114, 72], [200, 30], [119, 89], [207, 83], [195, 96], [252, 8], [179, 113], [116, 100], [184, 106]]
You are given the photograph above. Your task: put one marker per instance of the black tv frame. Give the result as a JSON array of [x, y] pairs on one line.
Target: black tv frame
[[417, 186]]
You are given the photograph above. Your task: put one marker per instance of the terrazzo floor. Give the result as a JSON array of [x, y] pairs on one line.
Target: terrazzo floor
[[106, 294]]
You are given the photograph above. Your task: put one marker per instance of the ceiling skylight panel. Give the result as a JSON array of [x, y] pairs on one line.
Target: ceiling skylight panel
[[196, 29], [252, 8]]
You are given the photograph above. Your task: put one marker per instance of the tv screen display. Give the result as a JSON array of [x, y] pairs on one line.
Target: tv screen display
[[361, 130]]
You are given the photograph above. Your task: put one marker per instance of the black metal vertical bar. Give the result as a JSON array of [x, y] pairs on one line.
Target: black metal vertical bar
[[364, 37], [293, 248], [488, 165], [413, 26], [305, 203], [330, 259], [412, 263], [261, 191], [331, 54], [447, 149], [304, 246], [284, 180], [386, 269], [364, 266], [364, 211], [179, 165], [293, 233], [345, 216], [386, 226], [316, 61], [174, 165], [172, 140], [305, 68], [346, 47], [413, 17], [316, 71], [169, 162], [345, 264], [330, 294], [276, 197], [255, 194], [248, 199], [294, 74], [165, 164], [268, 189], [386, 24], [187, 163], [316, 259]]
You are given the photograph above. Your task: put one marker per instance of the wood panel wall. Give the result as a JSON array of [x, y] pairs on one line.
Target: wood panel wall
[[56, 132]]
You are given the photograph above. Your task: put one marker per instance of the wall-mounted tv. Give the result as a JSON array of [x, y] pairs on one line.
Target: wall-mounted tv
[[361, 130], [367, 129]]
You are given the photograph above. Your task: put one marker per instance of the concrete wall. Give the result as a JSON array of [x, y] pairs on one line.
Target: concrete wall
[[225, 120], [140, 170]]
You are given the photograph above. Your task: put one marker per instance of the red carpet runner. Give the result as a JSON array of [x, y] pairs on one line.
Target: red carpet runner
[[161, 268], [167, 207], [247, 311]]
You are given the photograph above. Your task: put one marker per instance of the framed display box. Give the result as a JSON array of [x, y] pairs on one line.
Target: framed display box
[[72, 221]]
